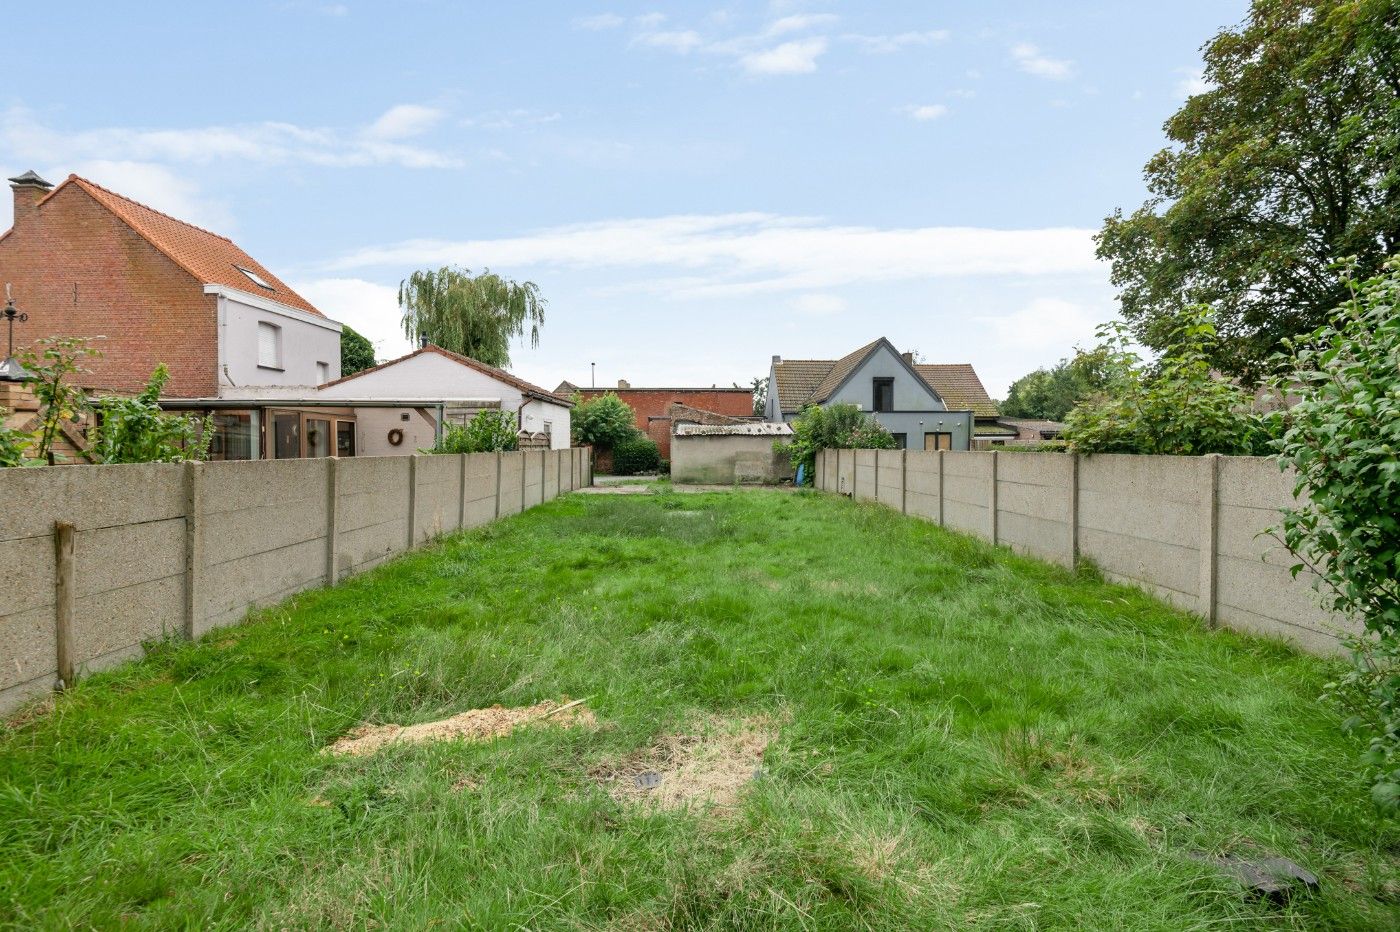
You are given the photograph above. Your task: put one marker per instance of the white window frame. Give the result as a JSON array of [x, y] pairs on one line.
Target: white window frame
[[266, 326]]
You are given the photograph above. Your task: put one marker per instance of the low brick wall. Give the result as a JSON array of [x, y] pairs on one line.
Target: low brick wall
[[164, 548], [1192, 530]]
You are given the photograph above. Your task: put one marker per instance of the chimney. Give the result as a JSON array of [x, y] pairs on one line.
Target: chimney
[[29, 190], [422, 339], [777, 360], [623, 383], [908, 357]]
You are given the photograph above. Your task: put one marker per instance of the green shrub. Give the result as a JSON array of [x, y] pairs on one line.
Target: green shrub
[[636, 454], [12, 444], [604, 422], [488, 432], [1178, 407], [136, 430], [1343, 439], [841, 427]]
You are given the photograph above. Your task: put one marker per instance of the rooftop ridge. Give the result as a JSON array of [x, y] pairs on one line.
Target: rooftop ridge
[[122, 197]]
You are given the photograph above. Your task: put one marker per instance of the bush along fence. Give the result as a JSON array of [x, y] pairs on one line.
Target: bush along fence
[[1191, 530], [95, 561]]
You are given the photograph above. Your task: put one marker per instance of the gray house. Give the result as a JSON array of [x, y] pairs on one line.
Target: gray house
[[879, 380]]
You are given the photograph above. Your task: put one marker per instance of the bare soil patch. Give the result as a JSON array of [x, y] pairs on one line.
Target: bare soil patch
[[473, 725], [709, 767]]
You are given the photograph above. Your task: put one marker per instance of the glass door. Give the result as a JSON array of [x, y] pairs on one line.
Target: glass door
[[317, 431], [286, 435]]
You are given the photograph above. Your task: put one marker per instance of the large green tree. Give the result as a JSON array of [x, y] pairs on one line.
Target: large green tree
[[1049, 394], [356, 352], [1284, 165], [475, 315]]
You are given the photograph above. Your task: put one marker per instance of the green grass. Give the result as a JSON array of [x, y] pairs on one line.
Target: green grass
[[968, 738]]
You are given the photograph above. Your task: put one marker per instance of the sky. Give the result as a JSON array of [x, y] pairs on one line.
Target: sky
[[694, 187]]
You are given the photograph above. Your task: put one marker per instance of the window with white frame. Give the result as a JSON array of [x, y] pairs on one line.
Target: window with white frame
[[269, 345]]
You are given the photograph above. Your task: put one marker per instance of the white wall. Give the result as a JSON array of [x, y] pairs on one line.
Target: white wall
[[306, 340], [426, 376], [534, 415], [372, 426]]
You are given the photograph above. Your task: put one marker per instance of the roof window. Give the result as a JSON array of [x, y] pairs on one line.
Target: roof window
[[254, 277]]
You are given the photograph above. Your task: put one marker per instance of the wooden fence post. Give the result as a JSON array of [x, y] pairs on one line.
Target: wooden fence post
[[332, 518], [1210, 535], [65, 587], [194, 545]]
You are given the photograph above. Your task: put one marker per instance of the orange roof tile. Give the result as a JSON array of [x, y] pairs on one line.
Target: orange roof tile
[[211, 258], [960, 387]]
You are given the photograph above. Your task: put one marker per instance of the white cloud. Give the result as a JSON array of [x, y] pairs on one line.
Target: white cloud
[[681, 42], [1191, 81], [818, 305], [23, 138], [1030, 60], [1046, 322], [924, 112], [369, 308], [724, 255], [800, 22], [886, 45], [512, 119], [650, 20], [796, 57], [599, 21], [404, 121]]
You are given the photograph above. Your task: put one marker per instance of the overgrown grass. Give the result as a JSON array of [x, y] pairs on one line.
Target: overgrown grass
[[968, 738]]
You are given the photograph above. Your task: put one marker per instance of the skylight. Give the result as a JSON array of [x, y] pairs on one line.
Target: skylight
[[255, 277]]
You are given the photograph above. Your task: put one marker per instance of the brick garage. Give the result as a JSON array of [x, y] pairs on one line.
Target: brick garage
[[652, 405]]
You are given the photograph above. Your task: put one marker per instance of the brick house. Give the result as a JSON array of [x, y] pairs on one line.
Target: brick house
[[652, 405], [86, 261]]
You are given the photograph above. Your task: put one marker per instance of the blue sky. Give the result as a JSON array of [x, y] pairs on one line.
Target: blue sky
[[694, 187]]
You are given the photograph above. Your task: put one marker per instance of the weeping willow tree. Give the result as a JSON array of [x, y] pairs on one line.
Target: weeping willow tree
[[475, 315]]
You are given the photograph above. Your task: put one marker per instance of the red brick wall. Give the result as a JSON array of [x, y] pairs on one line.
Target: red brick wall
[[149, 309], [650, 404]]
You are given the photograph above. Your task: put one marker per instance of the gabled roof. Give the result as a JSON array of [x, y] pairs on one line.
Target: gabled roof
[[960, 387], [213, 259], [813, 381], [529, 389]]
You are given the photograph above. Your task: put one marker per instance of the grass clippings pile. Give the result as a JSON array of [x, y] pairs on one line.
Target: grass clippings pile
[[472, 725], [708, 768]]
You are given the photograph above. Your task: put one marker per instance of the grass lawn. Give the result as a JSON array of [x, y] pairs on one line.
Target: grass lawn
[[959, 737]]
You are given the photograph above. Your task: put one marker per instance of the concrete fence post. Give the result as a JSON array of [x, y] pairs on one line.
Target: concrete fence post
[[499, 455], [904, 481], [992, 499], [875, 495], [544, 469], [941, 496], [462, 493], [412, 500], [524, 475], [1073, 510], [194, 545], [332, 518], [65, 591], [1210, 535]]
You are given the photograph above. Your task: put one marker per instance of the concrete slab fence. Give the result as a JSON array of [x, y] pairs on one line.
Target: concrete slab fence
[[1191, 530], [97, 560]]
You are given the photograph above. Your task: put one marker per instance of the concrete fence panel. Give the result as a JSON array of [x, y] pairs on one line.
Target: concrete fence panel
[[264, 533], [1192, 530], [864, 474], [966, 482], [512, 483], [372, 511], [437, 496]]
